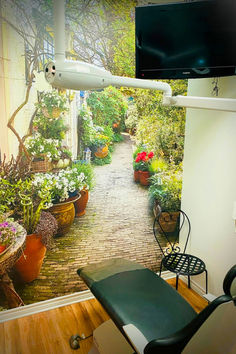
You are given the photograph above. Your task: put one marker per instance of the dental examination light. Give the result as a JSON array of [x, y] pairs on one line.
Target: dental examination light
[[77, 75]]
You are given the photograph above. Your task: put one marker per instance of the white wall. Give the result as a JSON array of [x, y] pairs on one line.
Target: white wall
[[209, 182]]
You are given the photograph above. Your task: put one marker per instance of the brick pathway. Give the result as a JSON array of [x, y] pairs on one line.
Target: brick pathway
[[117, 223]]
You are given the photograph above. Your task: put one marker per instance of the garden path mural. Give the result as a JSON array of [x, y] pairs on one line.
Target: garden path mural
[[117, 223]]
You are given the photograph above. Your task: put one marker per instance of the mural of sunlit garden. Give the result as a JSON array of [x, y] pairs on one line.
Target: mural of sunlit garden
[[81, 173]]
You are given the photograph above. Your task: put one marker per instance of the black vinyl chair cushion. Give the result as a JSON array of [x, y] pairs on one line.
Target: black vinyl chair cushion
[[142, 298]]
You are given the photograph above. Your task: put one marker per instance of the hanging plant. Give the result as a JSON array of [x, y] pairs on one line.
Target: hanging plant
[[52, 104]]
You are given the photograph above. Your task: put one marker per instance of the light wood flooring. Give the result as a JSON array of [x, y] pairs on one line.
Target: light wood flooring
[[49, 332]]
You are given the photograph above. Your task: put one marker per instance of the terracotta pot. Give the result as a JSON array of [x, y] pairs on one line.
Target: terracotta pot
[[81, 203], [169, 220], [143, 177], [101, 152], [136, 176], [64, 213], [29, 264], [2, 248]]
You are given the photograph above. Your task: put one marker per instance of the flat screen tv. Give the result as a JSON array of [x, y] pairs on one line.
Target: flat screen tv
[[186, 40]]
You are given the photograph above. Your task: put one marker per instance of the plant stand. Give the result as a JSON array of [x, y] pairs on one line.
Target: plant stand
[[7, 261]]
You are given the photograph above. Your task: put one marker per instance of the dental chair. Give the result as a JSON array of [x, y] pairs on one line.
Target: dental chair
[[149, 316]]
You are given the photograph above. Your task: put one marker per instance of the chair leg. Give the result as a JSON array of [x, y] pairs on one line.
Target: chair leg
[[206, 281], [177, 281], [160, 269], [189, 284]]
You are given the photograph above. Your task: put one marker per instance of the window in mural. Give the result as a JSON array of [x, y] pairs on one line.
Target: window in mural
[[83, 172]]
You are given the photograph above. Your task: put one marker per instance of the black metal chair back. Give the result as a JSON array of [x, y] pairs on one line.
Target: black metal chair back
[[167, 227]]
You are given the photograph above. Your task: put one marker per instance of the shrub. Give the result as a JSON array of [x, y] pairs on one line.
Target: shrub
[[50, 128], [108, 107], [165, 189]]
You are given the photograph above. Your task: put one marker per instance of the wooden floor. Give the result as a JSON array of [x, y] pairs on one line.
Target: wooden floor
[[49, 332]]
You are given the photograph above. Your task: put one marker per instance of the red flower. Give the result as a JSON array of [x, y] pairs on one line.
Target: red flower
[[150, 155]]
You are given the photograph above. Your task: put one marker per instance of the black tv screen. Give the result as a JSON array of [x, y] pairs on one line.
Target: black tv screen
[[186, 40]]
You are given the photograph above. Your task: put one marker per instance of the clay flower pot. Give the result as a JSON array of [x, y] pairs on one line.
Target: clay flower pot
[[2, 248], [64, 213], [143, 177], [101, 152], [29, 264], [81, 203], [136, 176]]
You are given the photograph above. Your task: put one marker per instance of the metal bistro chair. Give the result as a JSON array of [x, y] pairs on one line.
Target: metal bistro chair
[[166, 228]]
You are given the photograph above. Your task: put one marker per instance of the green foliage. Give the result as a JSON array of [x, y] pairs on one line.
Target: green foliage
[[24, 200], [32, 212], [124, 58], [158, 165], [165, 189], [131, 121], [143, 161], [100, 162], [88, 130], [108, 131], [39, 147], [161, 128], [117, 138], [87, 170], [107, 106], [99, 141], [50, 128], [139, 149], [7, 194], [52, 99]]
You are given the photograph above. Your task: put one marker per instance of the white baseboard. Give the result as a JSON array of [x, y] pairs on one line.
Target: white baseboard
[[51, 304], [167, 275], [45, 305], [195, 286]]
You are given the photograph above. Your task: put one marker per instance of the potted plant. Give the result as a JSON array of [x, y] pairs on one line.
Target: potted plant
[[9, 231], [87, 170], [143, 161], [52, 104], [99, 145], [61, 184], [50, 129], [39, 233], [165, 194]]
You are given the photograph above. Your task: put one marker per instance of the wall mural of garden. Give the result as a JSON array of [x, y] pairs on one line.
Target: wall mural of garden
[[60, 210]]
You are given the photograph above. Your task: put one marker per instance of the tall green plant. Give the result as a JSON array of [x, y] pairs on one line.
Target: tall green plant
[[32, 212], [161, 128], [107, 106]]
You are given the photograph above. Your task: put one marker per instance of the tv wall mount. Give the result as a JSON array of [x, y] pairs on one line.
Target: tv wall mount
[[77, 75]]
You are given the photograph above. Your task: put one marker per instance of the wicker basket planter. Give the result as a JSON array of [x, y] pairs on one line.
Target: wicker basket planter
[[43, 165], [54, 114]]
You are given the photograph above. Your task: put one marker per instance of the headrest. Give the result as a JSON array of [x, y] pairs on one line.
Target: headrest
[[229, 284]]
